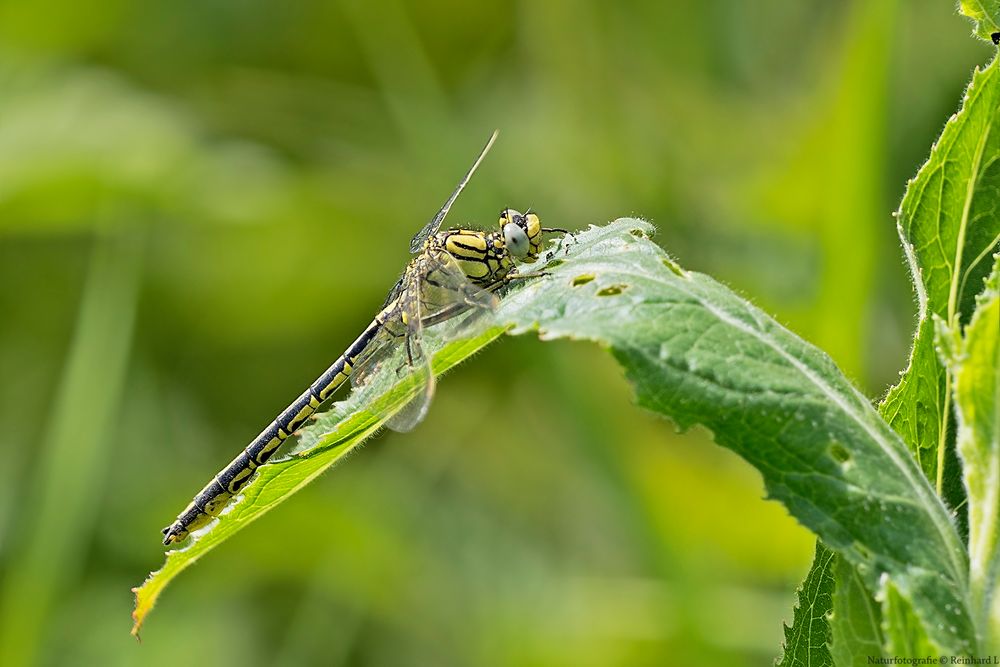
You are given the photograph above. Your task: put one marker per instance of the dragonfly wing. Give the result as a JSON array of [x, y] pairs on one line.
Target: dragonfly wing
[[394, 292], [397, 356], [440, 291], [435, 224], [445, 286], [433, 289], [379, 351], [415, 409], [382, 345], [416, 370]]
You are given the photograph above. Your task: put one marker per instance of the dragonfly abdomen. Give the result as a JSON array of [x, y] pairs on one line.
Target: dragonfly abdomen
[[454, 271], [213, 498]]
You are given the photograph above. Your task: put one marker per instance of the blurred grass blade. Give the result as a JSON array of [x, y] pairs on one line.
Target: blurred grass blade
[[807, 641], [947, 229], [67, 486], [845, 152], [699, 354]]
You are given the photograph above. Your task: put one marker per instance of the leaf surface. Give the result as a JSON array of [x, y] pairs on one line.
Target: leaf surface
[[904, 633], [855, 625], [807, 641], [985, 14], [701, 355], [949, 226], [334, 435], [974, 360]]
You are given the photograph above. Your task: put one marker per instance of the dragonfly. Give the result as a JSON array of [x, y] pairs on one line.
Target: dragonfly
[[452, 272]]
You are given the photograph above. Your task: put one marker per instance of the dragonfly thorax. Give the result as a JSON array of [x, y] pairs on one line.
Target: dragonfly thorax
[[482, 256], [487, 258]]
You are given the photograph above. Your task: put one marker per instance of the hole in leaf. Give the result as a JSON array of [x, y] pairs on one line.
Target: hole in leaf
[[638, 233], [583, 279], [839, 453], [669, 263], [554, 263], [612, 290]]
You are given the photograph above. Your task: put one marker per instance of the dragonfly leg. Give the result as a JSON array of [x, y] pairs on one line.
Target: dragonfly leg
[[565, 241], [408, 364], [511, 277]]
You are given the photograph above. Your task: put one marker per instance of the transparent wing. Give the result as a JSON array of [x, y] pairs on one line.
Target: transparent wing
[[389, 339], [435, 224], [393, 293], [433, 289], [397, 356], [445, 290], [417, 373], [380, 350]]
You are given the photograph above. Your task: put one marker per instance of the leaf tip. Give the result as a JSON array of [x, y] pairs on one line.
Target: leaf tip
[[983, 19], [137, 618]]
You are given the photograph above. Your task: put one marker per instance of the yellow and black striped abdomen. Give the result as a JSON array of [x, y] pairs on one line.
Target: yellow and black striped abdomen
[[213, 498]]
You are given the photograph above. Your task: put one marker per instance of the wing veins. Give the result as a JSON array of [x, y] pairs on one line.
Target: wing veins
[[435, 224]]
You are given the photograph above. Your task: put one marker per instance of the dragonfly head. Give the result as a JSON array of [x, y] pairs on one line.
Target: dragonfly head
[[522, 234]]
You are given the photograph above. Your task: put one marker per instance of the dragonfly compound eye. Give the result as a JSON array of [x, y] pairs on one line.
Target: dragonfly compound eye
[[516, 240]]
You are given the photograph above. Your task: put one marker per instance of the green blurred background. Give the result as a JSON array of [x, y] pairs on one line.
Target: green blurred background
[[202, 203]]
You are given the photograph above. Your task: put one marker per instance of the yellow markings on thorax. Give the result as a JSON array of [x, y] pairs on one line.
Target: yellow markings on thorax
[[470, 245], [474, 269], [470, 250]]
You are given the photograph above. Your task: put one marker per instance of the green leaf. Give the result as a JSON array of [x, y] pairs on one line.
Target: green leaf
[[985, 14], [334, 435], [700, 354], [974, 359], [855, 624], [904, 633], [948, 226], [807, 641]]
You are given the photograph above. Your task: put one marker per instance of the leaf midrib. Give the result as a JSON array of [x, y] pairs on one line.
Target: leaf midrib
[[985, 14], [932, 505], [970, 190], [928, 500]]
